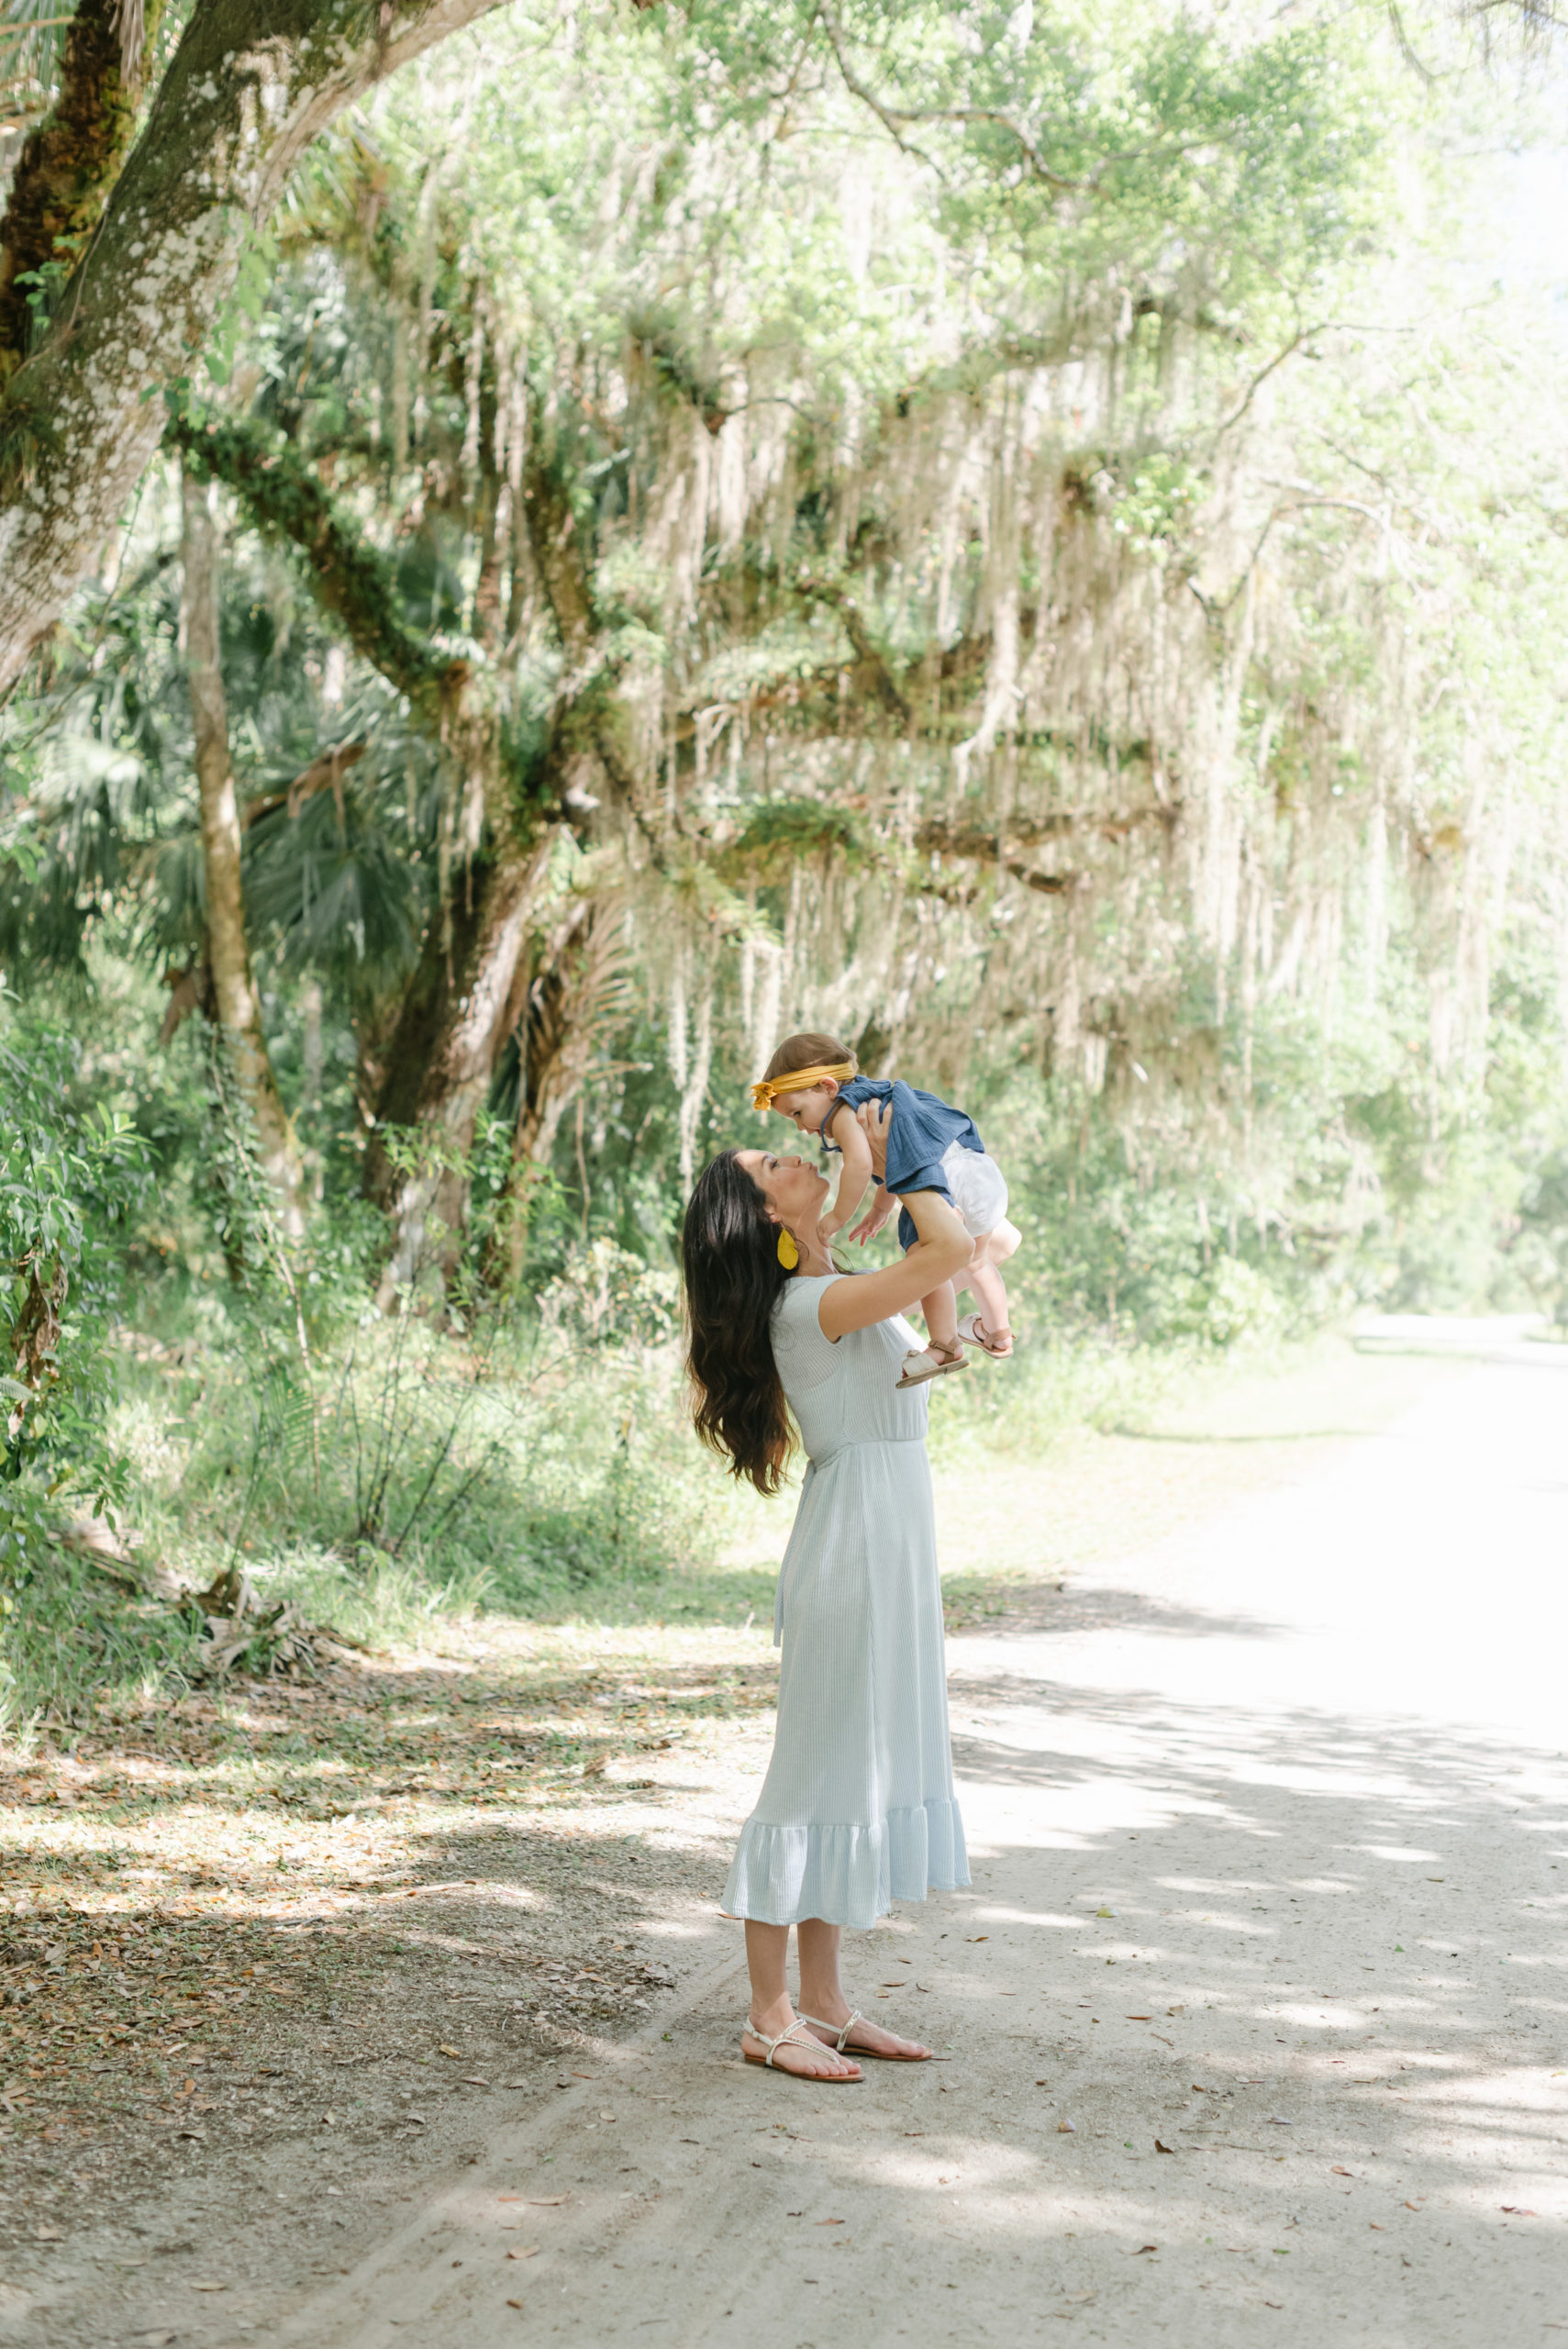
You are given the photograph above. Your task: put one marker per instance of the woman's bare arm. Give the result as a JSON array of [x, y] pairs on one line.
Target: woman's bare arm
[[942, 1248]]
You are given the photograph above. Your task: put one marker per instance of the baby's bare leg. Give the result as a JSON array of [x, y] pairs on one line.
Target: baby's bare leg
[[985, 1278], [991, 1295], [941, 1310]]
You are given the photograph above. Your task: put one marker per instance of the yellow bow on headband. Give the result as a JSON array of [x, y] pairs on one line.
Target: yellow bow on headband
[[766, 1090]]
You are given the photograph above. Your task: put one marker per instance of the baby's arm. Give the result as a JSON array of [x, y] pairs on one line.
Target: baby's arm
[[855, 1174], [883, 1204]]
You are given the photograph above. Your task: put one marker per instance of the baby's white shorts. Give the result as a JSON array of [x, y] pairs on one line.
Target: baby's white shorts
[[979, 1189]]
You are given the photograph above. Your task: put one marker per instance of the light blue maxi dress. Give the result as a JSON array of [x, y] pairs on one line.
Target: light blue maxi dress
[[857, 1809]]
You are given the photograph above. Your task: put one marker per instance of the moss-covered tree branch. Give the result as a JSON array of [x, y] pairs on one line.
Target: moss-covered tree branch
[[250, 84], [281, 494]]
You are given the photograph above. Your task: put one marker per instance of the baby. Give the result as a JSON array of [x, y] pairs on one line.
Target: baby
[[814, 1081]]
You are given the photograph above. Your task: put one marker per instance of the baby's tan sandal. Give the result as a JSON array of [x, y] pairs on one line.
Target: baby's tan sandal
[[930, 1361], [997, 1344]]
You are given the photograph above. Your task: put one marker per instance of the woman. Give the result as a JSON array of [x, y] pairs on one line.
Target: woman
[[857, 1808]]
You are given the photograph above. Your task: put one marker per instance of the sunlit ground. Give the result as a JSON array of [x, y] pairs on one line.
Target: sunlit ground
[[1277, 1692]]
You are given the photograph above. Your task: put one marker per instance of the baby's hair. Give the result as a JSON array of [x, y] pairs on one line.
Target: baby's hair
[[809, 1051]]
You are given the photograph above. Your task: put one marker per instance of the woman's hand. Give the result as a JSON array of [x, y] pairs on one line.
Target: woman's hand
[[874, 1119]]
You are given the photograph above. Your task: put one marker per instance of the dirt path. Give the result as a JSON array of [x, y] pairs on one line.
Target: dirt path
[[1266, 1814]]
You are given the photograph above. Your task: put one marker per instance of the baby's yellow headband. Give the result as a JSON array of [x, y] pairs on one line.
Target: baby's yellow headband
[[766, 1090]]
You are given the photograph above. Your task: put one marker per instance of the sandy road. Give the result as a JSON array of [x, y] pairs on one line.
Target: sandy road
[[1271, 1836]]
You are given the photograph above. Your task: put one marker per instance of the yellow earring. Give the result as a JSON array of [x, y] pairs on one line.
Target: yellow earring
[[789, 1255]]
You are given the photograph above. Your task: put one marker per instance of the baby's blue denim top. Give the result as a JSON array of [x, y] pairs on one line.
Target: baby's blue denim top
[[923, 1128]]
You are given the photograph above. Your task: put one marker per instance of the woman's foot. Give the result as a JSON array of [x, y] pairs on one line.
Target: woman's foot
[[931, 1361], [796, 2049], [864, 2037], [998, 1343]]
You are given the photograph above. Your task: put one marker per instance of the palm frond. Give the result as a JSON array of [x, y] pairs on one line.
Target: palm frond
[[333, 888]]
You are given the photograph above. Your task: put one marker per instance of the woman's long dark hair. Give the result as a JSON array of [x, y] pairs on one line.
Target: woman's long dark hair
[[729, 1249]]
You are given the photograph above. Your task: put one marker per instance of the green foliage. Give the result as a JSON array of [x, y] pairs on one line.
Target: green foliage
[[884, 490], [780, 832], [247, 299], [45, 285], [495, 1459], [1155, 509], [75, 1638], [72, 1171]]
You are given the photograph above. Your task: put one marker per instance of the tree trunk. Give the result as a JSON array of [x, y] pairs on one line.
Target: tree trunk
[[459, 1006], [236, 1009], [580, 988], [250, 84], [464, 1022]]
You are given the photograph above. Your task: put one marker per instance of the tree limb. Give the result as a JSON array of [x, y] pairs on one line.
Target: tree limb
[[947, 839], [872, 668], [250, 84], [351, 578], [893, 116]]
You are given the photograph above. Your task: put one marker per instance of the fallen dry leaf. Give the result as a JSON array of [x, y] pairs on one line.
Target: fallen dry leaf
[[545, 2201], [530, 2252], [1144, 2247], [1163, 2149], [469, 2081], [1517, 2210], [1139, 2018], [513, 2304], [1340, 2170], [449, 2051], [197, 2285], [977, 1937], [1066, 2128]]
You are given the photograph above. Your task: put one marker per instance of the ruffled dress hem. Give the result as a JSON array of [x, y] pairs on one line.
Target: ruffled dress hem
[[849, 1875]]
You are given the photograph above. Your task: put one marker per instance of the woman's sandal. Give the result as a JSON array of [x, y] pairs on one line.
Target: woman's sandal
[[788, 2039], [930, 1361], [997, 1344], [874, 2054]]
